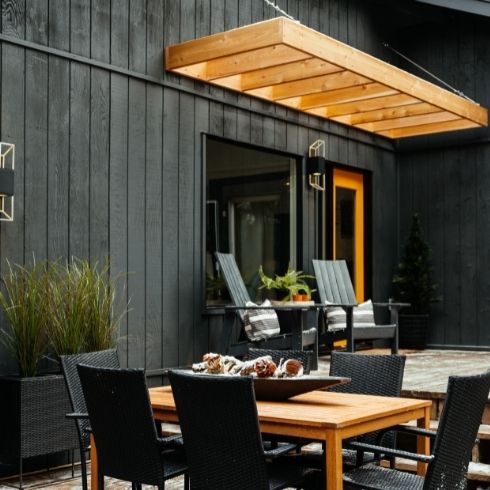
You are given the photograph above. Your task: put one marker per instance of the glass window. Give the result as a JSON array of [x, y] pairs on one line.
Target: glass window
[[251, 212]]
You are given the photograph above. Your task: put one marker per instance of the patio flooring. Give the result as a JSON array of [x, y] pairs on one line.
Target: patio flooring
[[426, 374]]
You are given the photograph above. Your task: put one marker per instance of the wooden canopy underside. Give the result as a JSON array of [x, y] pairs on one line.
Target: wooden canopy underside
[[285, 62]]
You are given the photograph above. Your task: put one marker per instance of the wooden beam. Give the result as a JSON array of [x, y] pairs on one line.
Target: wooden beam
[[311, 85], [369, 105], [342, 95], [429, 128], [248, 38], [385, 114], [288, 72]]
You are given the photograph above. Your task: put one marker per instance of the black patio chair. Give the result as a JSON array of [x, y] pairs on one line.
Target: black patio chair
[[453, 442], [379, 375], [240, 296], [304, 356], [106, 358], [220, 427], [335, 286], [121, 419]]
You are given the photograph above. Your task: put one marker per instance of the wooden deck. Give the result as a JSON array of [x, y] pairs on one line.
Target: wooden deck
[[427, 372]]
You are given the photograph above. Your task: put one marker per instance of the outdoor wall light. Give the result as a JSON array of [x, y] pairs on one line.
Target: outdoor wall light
[[315, 165], [7, 164]]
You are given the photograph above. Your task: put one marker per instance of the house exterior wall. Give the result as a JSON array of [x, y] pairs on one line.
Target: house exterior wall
[[109, 151], [446, 179]]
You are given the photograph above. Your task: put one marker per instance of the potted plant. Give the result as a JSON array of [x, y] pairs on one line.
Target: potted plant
[[49, 309], [291, 287], [413, 284]]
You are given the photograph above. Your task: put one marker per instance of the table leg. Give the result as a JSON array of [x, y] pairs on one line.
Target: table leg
[[333, 461], [94, 466], [423, 442]]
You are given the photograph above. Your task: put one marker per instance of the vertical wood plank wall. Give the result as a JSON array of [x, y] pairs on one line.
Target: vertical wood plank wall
[[109, 150], [446, 179]]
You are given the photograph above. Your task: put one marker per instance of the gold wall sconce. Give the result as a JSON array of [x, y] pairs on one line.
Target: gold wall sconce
[[315, 165]]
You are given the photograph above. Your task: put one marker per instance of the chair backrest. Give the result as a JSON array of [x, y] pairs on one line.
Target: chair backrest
[[219, 423], [458, 426], [380, 375], [302, 355], [233, 279], [122, 423], [105, 358], [334, 282]]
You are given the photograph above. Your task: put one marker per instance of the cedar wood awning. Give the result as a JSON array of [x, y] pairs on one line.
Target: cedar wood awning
[[285, 62]]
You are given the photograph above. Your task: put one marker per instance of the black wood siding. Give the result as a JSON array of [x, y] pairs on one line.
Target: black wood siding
[[446, 179], [109, 150]]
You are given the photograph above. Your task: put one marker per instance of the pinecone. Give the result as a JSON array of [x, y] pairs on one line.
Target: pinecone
[[215, 363], [265, 367]]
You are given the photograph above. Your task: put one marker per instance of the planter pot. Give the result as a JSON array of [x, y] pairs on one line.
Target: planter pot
[[32, 417], [413, 331]]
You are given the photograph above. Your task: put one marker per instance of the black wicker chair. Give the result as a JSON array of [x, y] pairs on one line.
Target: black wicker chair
[[458, 426], [219, 423], [379, 375], [302, 355], [121, 420], [240, 296], [106, 358]]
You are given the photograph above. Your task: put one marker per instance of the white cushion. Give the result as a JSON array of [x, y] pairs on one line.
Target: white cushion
[[261, 324], [362, 316]]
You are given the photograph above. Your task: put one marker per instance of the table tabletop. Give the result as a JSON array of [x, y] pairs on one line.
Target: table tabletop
[[324, 416]]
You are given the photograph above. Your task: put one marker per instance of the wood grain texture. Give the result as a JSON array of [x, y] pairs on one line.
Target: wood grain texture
[[58, 156], [136, 222], [36, 152], [79, 160]]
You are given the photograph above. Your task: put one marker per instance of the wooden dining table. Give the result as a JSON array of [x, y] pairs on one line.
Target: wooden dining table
[[324, 416]]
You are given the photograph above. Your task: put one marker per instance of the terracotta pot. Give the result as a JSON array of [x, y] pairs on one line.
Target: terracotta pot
[[297, 297]]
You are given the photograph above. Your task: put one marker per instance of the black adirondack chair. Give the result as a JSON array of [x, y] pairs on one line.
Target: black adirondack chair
[[294, 339], [453, 443], [335, 286]]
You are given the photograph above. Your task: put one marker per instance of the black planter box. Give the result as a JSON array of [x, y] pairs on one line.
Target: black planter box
[[32, 417], [413, 331]]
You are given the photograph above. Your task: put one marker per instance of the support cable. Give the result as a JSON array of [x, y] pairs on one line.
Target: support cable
[[274, 6], [406, 58]]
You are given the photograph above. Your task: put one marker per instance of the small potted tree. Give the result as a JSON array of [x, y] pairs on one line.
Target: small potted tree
[[413, 284]]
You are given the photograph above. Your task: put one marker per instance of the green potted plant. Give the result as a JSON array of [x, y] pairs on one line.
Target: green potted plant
[[292, 286], [413, 284], [49, 309]]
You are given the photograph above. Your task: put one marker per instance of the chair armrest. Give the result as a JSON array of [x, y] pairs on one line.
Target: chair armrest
[[171, 442], [75, 415], [385, 451], [281, 449], [392, 305], [417, 431]]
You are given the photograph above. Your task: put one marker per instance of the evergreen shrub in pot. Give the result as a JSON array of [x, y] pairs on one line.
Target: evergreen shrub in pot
[[414, 285], [50, 309]]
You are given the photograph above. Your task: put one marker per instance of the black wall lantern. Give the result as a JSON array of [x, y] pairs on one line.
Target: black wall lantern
[[316, 164], [7, 165]]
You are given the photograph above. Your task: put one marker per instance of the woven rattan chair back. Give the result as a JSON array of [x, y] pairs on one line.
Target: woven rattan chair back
[[458, 426], [105, 358], [121, 419], [304, 356], [380, 375], [219, 423]]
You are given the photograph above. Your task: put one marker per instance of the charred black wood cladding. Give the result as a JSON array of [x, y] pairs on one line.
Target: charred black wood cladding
[[446, 179], [109, 151]]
